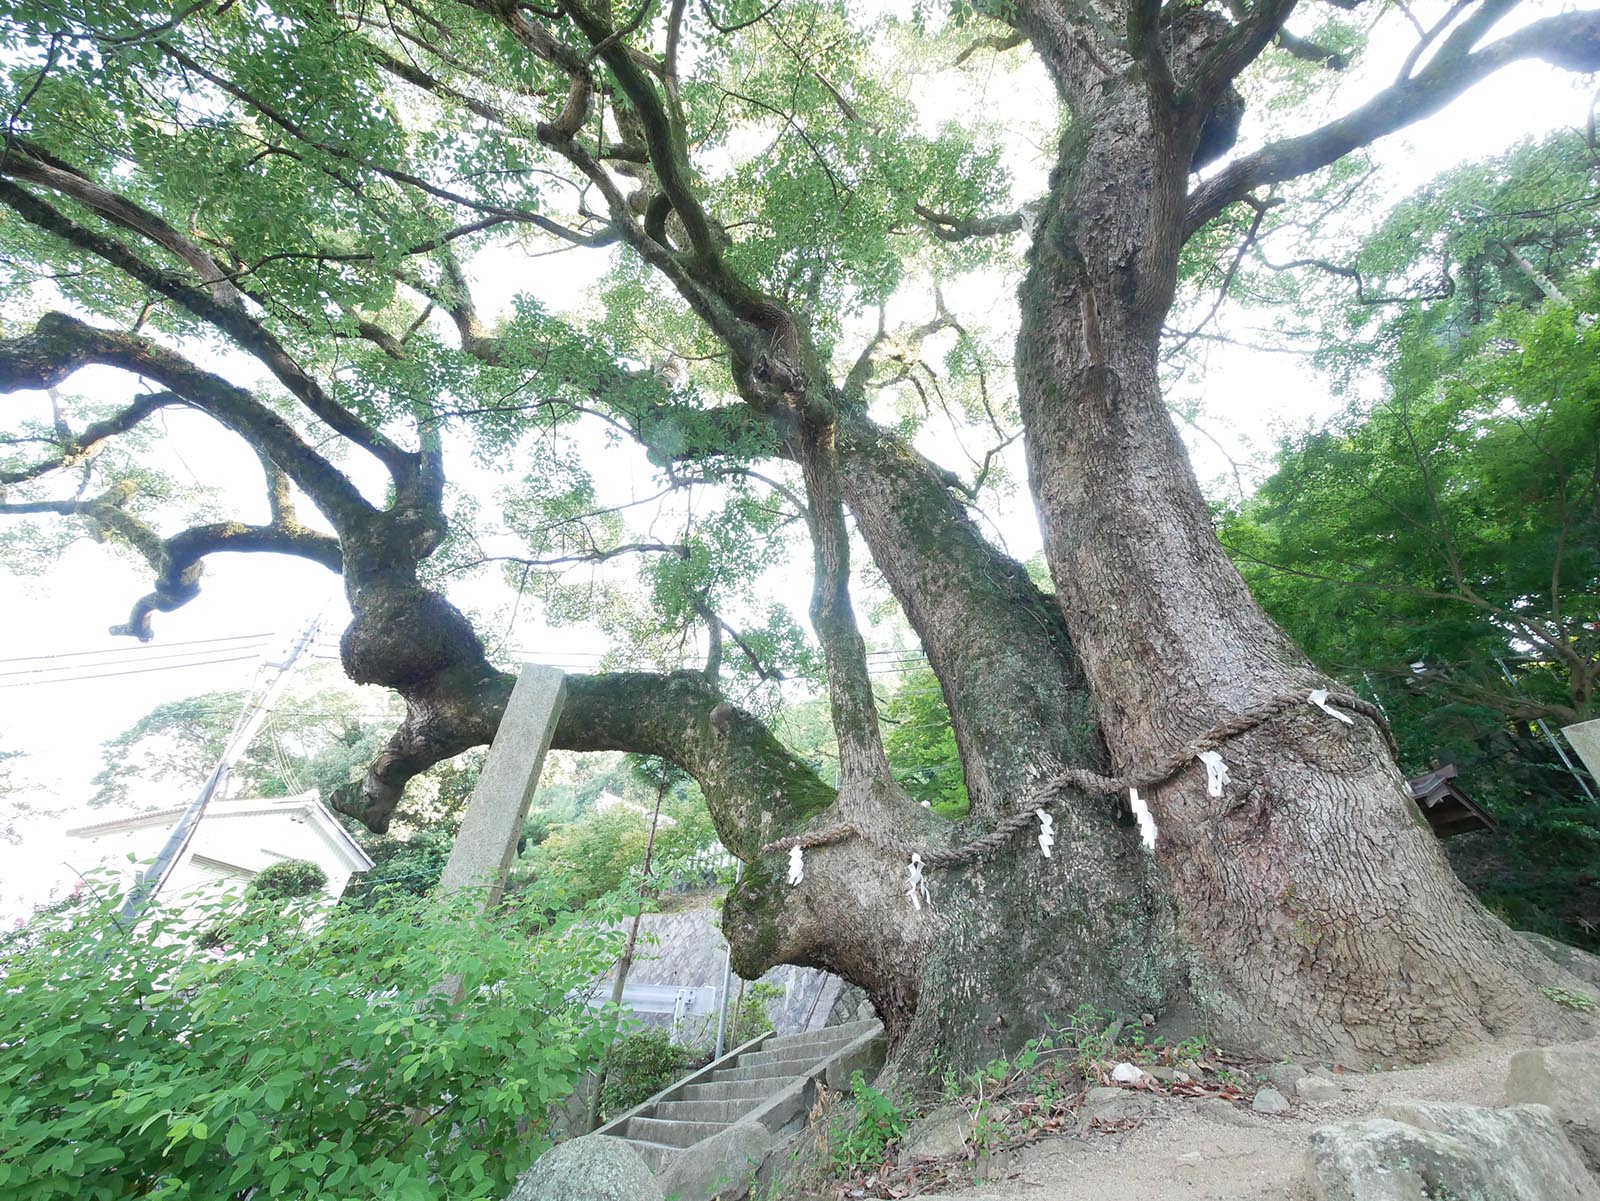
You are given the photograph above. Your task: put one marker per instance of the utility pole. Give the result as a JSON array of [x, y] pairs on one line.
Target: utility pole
[[244, 731], [727, 977]]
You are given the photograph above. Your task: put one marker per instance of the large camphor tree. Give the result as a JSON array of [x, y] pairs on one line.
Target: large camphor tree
[[277, 214]]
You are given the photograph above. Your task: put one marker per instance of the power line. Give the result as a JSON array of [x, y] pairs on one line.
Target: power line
[[132, 671], [137, 650], [39, 671]]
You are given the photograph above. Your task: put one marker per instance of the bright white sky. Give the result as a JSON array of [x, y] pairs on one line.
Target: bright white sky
[[1251, 399]]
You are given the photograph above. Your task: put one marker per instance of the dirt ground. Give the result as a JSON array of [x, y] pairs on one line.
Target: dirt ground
[[1187, 1152]]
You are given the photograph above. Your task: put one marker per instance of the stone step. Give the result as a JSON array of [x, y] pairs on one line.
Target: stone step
[[704, 1111], [805, 1053], [770, 1069], [671, 1134], [732, 1090], [657, 1155], [827, 1036]]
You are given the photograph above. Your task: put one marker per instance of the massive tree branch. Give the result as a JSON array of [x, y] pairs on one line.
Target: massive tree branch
[[244, 329], [60, 345], [28, 163], [1570, 40]]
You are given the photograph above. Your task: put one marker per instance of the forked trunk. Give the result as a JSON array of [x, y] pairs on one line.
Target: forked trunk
[[1317, 911]]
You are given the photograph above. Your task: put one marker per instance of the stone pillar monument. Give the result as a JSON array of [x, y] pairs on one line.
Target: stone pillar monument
[[487, 842], [1585, 739]]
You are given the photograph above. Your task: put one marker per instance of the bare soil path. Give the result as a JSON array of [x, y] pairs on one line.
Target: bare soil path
[[1195, 1151]]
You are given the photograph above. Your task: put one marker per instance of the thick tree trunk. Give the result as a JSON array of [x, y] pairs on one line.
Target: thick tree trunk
[[1315, 907], [1013, 940]]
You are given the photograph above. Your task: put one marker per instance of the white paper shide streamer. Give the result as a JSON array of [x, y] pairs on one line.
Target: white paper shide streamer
[[1146, 819], [916, 886], [797, 865], [1047, 831], [1216, 772], [1319, 698]]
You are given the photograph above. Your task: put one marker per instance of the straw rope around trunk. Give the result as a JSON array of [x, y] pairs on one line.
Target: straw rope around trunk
[[1082, 780]]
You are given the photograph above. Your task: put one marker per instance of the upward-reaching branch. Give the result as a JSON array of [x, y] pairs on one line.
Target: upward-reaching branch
[[1570, 40]]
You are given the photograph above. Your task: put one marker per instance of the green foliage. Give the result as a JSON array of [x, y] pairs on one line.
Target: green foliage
[[1570, 999], [638, 1066], [876, 1122], [921, 745], [1427, 546], [406, 866], [288, 880], [753, 1016], [601, 851], [324, 1066]]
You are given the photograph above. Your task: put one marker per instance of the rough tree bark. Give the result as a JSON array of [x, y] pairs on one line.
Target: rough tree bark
[[1317, 912]]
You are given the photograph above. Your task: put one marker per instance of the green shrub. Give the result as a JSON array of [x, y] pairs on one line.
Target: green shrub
[[753, 1017], [294, 1067], [640, 1065], [288, 880], [878, 1122]]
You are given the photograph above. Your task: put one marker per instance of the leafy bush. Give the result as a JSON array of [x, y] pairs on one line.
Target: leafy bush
[[400, 866], [878, 1122], [640, 1065], [288, 880], [331, 1066], [753, 1017]]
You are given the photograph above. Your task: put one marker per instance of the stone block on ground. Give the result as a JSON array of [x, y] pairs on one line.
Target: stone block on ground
[[595, 1167], [1435, 1150], [1270, 1102], [1567, 1079], [1116, 1105], [940, 1135], [723, 1166], [1282, 1076], [1224, 1113], [1316, 1090]]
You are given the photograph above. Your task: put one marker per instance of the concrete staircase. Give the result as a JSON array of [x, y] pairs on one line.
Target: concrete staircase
[[770, 1080]]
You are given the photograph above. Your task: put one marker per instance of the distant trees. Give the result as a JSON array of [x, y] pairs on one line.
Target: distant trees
[[1440, 548]]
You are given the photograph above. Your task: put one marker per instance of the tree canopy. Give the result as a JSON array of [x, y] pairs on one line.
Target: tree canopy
[[332, 230]]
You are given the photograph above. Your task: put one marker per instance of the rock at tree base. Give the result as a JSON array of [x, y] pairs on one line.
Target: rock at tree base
[[1270, 1101], [1567, 1079], [595, 1167], [1116, 1105], [1283, 1076], [1316, 1090], [941, 1134], [722, 1166], [1423, 1151], [1581, 964]]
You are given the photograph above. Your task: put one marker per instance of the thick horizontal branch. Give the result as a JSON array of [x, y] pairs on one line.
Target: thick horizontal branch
[[180, 562], [755, 788], [59, 345], [753, 784], [1570, 41], [232, 320]]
